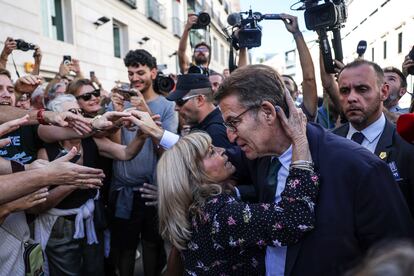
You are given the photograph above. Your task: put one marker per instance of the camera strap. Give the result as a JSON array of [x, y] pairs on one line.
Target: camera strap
[[15, 67]]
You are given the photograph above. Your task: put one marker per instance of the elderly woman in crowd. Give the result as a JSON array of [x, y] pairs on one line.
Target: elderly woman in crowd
[[217, 234]]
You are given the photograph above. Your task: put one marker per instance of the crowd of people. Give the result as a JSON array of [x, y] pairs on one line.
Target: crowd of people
[[238, 173]]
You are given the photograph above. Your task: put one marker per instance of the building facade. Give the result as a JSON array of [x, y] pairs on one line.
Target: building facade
[[99, 33]]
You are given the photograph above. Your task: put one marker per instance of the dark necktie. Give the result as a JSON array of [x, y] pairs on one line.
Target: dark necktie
[[273, 170], [358, 137]]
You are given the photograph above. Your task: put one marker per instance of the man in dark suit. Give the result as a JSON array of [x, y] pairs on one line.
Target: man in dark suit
[[362, 92], [359, 203]]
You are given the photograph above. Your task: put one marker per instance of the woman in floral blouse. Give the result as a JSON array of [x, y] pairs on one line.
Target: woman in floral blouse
[[216, 233]]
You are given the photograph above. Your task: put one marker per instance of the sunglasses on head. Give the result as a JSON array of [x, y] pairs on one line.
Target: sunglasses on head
[[88, 96], [77, 111], [182, 101]]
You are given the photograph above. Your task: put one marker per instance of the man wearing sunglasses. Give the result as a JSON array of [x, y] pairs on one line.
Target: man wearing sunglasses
[[193, 98], [201, 56]]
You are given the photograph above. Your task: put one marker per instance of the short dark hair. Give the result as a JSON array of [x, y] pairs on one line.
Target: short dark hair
[[140, 57], [5, 72], [76, 84], [214, 73], [254, 84], [359, 62], [397, 71], [294, 82]]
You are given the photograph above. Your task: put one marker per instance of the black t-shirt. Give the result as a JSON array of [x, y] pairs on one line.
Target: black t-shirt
[[90, 159], [24, 145], [213, 125]]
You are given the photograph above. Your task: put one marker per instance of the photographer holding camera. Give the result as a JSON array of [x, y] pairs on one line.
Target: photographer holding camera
[[18, 44], [202, 51]]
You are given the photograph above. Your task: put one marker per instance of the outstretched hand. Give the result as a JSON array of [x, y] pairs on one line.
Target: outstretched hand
[[291, 22]]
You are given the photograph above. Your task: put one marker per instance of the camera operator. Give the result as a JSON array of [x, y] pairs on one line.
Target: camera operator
[[202, 51]]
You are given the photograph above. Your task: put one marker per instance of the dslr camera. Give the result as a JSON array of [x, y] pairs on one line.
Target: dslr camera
[[163, 83], [250, 32], [23, 45], [203, 20]]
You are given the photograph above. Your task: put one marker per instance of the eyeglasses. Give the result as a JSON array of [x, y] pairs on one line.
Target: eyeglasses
[[202, 50], [77, 111], [182, 101], [88, 96], [232, 124]]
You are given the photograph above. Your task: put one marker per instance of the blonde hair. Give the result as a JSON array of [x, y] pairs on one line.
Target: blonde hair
[[183, 187]]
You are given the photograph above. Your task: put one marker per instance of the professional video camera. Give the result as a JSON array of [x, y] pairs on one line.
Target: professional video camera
[[249, 31], [322, 18]]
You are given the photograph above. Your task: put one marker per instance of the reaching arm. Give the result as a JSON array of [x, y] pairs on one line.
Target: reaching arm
[[183, 60], [38, 60], [330, 85], [9, 46], [310, 94], [243, 61], [116, 151]]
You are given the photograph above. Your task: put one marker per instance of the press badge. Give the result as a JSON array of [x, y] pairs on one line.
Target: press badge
[[394, 170]]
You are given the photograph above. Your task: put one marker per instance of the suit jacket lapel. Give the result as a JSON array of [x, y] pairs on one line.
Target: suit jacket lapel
[[342, 130], [384, 145]]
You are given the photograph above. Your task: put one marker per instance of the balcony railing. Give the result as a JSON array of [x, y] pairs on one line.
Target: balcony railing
[[131, 3], [156, 12]]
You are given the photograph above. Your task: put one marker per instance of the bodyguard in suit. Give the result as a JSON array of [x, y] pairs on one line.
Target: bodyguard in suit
[[362, 92], [359, 203]]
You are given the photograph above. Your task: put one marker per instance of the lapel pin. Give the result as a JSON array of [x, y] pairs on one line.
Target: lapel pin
[[383, 155]]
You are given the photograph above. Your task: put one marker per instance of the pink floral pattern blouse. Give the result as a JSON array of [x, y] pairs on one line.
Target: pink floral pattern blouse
[[230, 237]]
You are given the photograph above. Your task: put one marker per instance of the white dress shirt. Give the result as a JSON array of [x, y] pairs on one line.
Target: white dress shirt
[[372, 133]]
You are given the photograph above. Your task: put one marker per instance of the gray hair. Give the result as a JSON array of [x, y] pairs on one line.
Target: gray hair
[[56, 103]]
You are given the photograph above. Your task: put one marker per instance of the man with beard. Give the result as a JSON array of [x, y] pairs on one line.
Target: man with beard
[[398, 86], [201, 56], [134, 219], [362, 91]]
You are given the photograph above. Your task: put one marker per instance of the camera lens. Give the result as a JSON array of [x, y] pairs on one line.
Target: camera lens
[[203, 19], [165, 84]]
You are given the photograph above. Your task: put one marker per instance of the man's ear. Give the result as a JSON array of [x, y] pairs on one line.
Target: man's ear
[[201, 99], [402, 91], [268, 111], [385, 91], [154, 72]]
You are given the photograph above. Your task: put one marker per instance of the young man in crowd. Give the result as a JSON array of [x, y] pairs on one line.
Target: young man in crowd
[[133, 218]]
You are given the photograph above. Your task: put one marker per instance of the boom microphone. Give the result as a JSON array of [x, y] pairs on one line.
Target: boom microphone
[[234, 19]]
